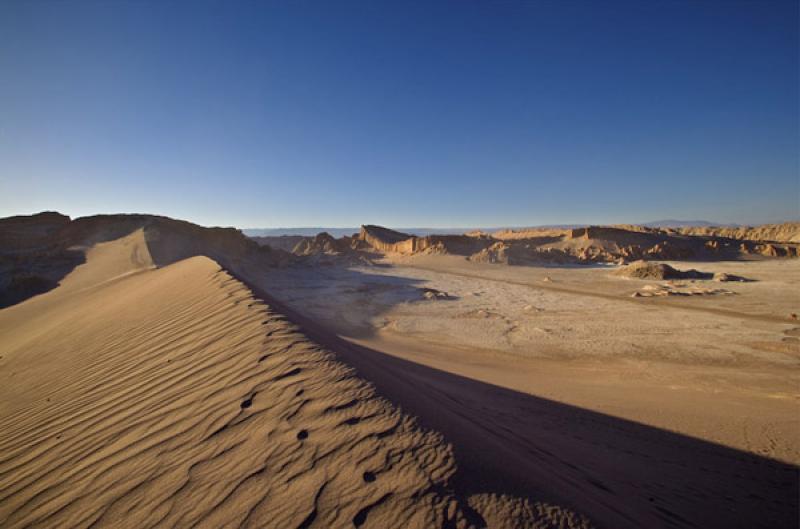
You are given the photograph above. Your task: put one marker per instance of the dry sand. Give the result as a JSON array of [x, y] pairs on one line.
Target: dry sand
[[137, 396], [655, 412]]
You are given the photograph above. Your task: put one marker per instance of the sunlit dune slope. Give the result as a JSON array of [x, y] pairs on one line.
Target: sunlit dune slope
[[136, 396]]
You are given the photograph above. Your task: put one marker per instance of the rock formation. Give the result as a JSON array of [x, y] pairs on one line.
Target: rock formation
[[589, 244], [785, 232], [658, 271]]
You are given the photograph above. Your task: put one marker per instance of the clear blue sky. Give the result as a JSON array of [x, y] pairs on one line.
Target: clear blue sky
[[332, 113]]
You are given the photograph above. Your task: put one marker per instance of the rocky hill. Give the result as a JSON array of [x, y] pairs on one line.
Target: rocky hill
[[589, 244], [279, 242], [785, 232]]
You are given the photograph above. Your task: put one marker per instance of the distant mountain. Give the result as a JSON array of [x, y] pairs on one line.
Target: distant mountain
[[304, 232], [672, 223], [422, 232], [340, 232]]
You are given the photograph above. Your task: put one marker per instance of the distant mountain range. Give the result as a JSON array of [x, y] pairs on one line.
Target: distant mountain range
[[340, 232], [673, 223], [421, 232], [304, 232]]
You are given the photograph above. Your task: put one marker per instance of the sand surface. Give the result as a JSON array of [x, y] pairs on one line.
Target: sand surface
[[644, 412], [136, 396]]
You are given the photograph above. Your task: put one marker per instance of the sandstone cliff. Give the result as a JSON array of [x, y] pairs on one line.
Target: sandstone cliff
[[588, 244]]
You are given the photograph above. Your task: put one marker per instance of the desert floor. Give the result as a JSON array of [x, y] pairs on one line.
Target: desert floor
[[643, 411]]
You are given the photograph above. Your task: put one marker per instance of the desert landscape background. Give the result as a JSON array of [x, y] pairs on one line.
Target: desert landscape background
[[399, 265], [157, 373]]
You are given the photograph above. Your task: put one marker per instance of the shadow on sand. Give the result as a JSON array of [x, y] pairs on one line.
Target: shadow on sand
[[619, 473]]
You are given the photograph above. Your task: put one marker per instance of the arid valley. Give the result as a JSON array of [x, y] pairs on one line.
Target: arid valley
[[157, 373]]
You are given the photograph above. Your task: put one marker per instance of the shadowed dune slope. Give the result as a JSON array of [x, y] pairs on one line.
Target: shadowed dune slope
[[620, 473], [136, 396]]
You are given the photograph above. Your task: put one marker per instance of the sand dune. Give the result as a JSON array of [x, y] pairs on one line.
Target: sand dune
[[137, 396], [38, 251]]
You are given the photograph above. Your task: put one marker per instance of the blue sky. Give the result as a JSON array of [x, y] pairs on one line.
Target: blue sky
[[441, 114]]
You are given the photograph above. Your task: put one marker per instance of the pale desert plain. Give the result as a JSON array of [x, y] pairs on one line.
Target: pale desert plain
[[154, 373]]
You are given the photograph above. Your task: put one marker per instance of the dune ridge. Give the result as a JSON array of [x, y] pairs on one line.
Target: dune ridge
[[38, 251], [146, 393]]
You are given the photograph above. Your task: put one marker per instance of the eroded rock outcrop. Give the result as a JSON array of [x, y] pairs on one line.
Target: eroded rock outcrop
[[783, 232], [589, 244], [658, 271], [390, 241]]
